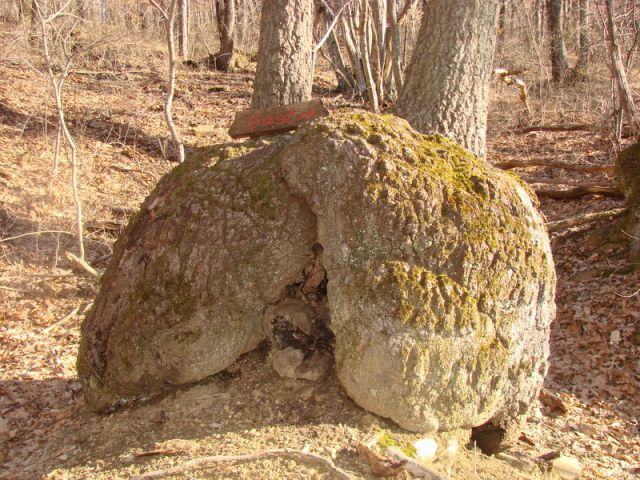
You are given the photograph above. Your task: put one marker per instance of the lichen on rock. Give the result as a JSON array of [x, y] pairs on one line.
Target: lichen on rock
[[439, 278]]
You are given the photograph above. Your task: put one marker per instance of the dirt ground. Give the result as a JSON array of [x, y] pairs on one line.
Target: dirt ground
[[116, 117]]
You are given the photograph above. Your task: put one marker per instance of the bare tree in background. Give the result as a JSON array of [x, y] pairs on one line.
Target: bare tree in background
[[284, 73], [619, 75], [183, 29], [559, 63], [584, 44], [169, 17], [226, 21], [58, 69], [447, 84]]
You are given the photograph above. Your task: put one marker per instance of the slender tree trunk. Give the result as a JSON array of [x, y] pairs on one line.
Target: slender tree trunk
[[539, 18], [226, 21], [35, 22], [284, 73], [618, 72], [584, 45], [559, 63], [102, 4], [183, 29], [447, 84], [83, 11]]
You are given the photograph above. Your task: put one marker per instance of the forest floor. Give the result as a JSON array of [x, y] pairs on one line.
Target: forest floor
[[117, 119]]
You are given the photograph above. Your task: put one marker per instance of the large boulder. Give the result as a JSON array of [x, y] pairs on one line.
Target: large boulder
[[431, 268], [183, 296], [627, 171]]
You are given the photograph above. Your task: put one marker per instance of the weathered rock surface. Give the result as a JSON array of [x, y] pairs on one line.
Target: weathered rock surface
[[627, 171], [441, 281], [440, 284], [185, 292]]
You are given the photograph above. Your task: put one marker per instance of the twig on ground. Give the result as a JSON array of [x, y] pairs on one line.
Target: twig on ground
[[29, 234], [584, 219], [204, 462], [509, 164], [557, 128], [82, 264], [69, 315]]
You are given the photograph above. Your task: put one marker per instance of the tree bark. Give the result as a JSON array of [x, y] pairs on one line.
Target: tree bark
[[284, 73], [559, 63], [35, 22], [183, 29], [226, 20], [447, 83], [618, 73], [83, 10], [584, 45]]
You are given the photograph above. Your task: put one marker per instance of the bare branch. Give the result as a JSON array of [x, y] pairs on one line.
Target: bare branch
[[204, 462], [330, 27]]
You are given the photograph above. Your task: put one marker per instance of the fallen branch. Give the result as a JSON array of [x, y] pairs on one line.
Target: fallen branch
[[509, 164], [279, 452], [69, 315], [585, 219], [82, 264], [576, 191], [557, 128], [108, 72]]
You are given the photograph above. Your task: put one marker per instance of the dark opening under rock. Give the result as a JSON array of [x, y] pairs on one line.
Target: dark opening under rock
[[298, 326]]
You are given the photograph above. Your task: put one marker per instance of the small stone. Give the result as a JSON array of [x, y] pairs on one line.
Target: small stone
[[568, 468], [426, 449], [615, 337], [203, 130]]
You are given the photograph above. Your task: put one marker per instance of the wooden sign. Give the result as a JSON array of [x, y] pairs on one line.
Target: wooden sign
[[253, 123]]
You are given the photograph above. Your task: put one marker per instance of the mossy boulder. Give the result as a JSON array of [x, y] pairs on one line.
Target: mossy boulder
[[439, 278], [627, 171]]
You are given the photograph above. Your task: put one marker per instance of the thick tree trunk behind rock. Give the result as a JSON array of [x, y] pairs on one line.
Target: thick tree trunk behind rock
[[284, 73], [447, 84]]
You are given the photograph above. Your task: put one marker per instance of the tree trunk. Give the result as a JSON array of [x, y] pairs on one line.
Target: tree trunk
[[284, 73], [226, 20], [35, 22], [183, 29], [447, 83], [583, 50], [83, 11], [618, 73], [559, 63]]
